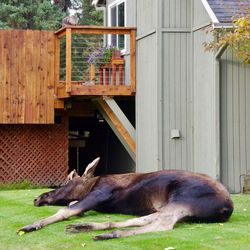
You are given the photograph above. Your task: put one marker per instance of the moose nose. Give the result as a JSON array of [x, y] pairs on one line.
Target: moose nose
[[35, 202]]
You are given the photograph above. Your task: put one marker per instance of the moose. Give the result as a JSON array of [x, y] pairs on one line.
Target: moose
[[161, 198]]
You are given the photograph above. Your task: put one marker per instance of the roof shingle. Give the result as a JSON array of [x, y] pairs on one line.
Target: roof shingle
[[225, 10]]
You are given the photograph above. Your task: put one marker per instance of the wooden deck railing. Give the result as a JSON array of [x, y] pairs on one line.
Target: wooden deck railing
[[76, 76]]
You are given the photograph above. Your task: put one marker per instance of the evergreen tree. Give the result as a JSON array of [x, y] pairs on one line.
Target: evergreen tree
[[30, 14], [89, 14]]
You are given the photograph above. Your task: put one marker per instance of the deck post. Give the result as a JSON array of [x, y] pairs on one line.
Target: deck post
[[133, 59], [68, 59]]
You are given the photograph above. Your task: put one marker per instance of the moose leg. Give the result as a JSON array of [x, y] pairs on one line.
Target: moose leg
[[90, 201], [152, 227], [141, 221], [62, 214], [166, 218]]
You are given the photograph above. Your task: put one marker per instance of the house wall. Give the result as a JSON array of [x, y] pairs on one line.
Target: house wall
[[200, 16], [176, 105], [176, 14], [205, 158], [163, 100], [178, 87], [147, 90], [163, 85], [146, 106], [235, 120], [147, 87], [176, 82]]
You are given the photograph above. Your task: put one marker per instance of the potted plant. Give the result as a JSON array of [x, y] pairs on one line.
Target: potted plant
[[105, 59], [101, 56]]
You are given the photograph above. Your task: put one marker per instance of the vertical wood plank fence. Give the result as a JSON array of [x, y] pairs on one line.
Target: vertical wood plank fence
[[27, 60]]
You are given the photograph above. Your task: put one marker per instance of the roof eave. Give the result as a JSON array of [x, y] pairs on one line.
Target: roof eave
[[210, 12], [223, 26]]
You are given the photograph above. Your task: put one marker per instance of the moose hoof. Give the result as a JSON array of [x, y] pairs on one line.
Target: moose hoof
[[107, 236], [27, 229], [78, 227]]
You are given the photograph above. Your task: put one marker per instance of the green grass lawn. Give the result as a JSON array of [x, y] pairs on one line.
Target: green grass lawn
[[17, 210]]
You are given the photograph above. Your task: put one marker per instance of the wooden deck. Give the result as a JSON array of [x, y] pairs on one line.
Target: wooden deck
[[103, 85], [40, 69]]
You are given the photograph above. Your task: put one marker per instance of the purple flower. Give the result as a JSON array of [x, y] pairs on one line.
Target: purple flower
[[101, 55]]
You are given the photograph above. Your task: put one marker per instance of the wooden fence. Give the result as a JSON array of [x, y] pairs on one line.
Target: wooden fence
[[26, 77]]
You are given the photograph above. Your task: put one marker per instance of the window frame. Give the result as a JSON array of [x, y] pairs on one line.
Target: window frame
[[116, 3]]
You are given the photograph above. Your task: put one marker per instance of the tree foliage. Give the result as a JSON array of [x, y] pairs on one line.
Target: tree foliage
[[65, 4], [237, 38], [30, 14], [46, 14], [83, 9], [89, 14]]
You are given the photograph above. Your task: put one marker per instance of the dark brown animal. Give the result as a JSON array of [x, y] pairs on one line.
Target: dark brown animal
[[162, 198]]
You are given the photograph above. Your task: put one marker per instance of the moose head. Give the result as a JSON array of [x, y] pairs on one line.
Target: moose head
[[74, 188]]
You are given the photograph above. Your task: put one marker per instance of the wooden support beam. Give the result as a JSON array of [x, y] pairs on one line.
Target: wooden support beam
[[95, 30], [59, 104], [118, 123], [93, 90]]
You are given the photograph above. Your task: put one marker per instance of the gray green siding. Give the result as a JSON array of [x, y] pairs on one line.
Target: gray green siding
[[199, 15], [176, 82], [147, 87], [235, 120], [170, 88], [177, 100], [146, 106], [204, 109], [146, 16], [176, 14], [178, 87], [163, 75]]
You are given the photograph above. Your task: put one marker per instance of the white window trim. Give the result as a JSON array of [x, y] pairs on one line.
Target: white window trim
[[111, 5]]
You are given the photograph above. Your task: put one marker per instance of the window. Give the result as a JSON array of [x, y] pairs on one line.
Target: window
[[116, 18]]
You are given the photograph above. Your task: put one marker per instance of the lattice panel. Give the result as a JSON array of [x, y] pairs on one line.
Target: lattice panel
[[38, 153]]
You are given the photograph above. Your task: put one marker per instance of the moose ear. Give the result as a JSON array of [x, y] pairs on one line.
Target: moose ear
[[73, 174], [90, 169]]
